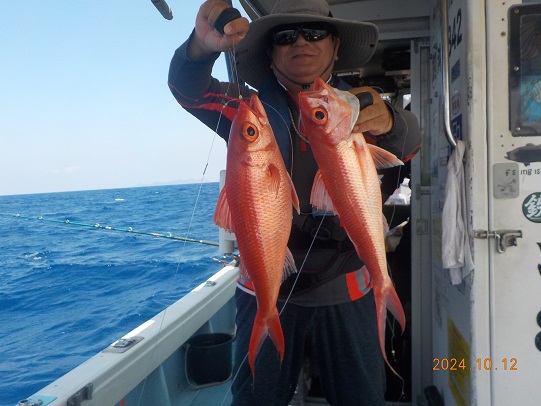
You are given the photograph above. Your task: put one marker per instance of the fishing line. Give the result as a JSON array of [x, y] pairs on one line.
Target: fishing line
[[175, 276], [224, 105], [302, 265], [292, 169], [99, 226], [392, 323], [234, 74]]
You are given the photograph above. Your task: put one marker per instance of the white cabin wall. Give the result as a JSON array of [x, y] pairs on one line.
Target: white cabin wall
[[515, 275]]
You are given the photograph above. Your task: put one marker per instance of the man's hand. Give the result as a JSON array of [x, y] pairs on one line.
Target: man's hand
[[376, 118], [207, 40]]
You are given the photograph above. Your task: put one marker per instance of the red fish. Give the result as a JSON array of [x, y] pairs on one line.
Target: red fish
[[256, 203], [347, 184]]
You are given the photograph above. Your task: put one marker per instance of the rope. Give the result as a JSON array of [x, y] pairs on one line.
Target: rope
[[130, 230]]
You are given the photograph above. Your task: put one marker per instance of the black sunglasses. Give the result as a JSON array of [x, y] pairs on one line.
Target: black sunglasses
[[288, 34]]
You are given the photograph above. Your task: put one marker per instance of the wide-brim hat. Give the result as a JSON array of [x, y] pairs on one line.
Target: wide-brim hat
[[357, 39]]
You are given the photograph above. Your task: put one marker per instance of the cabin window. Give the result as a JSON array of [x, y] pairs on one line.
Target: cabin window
[[525, 69]]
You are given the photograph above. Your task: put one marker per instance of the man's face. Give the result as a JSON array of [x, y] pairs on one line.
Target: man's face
[[304, 61]]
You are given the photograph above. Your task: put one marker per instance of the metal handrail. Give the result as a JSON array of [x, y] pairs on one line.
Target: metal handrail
[[445, 74]]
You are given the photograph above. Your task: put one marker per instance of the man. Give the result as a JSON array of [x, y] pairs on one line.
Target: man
[[330, 307]]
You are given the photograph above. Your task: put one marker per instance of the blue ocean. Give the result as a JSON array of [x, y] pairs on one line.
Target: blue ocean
[[68, 289]]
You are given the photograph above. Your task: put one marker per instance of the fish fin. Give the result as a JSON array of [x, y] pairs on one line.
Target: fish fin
[[319, 196], [294, 197], [289, 266], [353, 103], [242, 269], [261, 329], [274, 173], [385, 225], [382, 158], [222, 214]]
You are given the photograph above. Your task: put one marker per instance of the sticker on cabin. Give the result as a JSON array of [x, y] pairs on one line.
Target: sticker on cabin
[[455, 103], [455, 31], [505, 180], [456, 127], [455, 71], [531, 207], [459, 379], [539, 269], [526, 154]]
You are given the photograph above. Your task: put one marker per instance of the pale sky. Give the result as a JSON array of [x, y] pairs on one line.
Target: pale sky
[[84, 102]]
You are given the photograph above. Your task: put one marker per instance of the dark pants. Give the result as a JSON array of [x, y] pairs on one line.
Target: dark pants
[[346, 349]]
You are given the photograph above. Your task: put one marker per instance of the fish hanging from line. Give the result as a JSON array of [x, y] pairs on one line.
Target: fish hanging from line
[[256, 203], [347, 184]]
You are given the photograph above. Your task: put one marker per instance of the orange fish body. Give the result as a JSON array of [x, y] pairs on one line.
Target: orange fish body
[[256, 203], [347, 184]]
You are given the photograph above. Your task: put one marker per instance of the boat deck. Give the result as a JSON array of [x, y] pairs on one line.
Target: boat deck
[[213, 395], [207, 396]]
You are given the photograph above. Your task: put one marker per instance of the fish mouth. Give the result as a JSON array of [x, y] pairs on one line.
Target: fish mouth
[[256, 107], [312, 98], [319, 84], [318, 91]]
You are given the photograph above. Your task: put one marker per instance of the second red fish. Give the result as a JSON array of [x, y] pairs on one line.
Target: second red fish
[[347, 184]]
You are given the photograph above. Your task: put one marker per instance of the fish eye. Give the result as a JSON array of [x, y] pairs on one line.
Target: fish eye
[[249, 131], [319, 115]]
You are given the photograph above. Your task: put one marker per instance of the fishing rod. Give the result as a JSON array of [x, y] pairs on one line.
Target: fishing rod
[[130, 230]]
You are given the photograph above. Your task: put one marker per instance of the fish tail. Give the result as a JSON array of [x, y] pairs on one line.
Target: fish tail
[[383, 298], [263, 327]]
